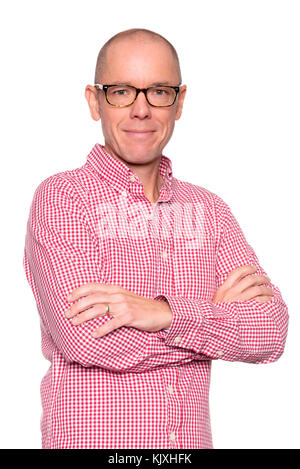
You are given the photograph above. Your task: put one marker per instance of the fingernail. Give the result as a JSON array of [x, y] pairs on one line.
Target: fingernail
[[68, 313], [94, 334]]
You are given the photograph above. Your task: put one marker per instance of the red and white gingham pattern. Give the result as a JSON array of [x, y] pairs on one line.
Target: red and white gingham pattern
[[131, 388]]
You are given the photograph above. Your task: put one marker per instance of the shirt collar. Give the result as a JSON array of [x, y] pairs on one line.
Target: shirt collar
[[118, 175]]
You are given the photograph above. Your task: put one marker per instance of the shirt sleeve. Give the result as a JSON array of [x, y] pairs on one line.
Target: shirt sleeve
[[60, 254], [247, 331]]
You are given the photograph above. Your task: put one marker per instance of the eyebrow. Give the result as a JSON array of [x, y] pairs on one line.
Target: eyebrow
[[161, 83]]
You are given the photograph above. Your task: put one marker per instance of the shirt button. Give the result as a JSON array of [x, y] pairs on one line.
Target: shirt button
[[164, 254], [149, 216], [220, 353], [177, 339], [170, 389], [172, 436], [132, 178]]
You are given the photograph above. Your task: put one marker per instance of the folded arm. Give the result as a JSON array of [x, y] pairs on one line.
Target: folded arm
[[60, 255], [249, 331]]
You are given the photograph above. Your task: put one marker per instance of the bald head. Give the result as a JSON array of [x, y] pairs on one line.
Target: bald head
[[137, 34]]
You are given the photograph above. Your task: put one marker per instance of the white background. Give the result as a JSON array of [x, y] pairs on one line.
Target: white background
[[238, 137]]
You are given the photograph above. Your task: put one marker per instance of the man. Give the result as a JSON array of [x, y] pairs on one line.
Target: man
[[140, 279]]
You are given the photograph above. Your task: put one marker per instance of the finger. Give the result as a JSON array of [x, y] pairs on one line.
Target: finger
[[85, 290], [96, 311], [263, 299], [109, 326], [88, 301], [251, 280], [91, 313], [255, 291], [236, 274], [83, 304], [90, 288]]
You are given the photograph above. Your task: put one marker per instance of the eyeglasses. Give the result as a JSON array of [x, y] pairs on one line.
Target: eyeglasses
[[125, 95]]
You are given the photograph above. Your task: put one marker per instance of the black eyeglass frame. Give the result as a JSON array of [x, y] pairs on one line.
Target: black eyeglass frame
[[137, 91]]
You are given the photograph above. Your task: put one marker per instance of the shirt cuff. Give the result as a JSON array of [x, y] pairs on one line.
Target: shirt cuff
[[187, 319], [199, 325]]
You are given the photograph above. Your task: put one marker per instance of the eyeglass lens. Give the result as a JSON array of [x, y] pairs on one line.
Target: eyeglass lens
[[125, 95]]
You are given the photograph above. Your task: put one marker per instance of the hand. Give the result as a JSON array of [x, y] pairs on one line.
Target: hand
[[125, 307], [242, 285]]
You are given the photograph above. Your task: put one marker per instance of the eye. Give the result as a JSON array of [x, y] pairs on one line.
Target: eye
[[160, 91], [120, 91]]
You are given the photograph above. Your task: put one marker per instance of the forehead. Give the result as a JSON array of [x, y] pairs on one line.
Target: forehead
[[140, 62]]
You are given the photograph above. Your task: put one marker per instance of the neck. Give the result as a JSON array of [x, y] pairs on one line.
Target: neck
[[151, 179], [147, 173]]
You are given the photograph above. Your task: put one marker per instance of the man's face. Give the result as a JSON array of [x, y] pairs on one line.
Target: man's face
[[138, 133]]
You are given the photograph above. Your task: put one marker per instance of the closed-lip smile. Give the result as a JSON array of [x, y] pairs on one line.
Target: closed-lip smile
[[139, 134], [139, 131]]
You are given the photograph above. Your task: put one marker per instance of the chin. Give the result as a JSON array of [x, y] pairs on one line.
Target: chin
[[140, 155]]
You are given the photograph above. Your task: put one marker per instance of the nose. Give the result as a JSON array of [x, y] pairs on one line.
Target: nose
[[140, 108]]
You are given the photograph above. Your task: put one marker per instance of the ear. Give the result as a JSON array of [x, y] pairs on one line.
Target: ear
[[180, 101], [91, 95]]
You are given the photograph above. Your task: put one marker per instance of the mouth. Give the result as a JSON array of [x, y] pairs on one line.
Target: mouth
[[139, 133]]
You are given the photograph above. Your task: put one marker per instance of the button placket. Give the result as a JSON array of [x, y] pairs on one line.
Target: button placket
[[149, 216]]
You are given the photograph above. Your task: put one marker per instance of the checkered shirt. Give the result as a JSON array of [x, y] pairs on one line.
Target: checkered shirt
[[132, 388]]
